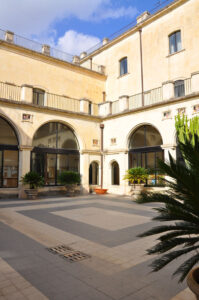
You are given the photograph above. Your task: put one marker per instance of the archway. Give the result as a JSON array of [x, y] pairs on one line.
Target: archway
[[55, 150], [145, 150], [115, 173], [9, 155], [94, 173]]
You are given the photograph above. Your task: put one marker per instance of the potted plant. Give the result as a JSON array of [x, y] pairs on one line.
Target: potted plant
[[100, 191], [71, 180], [181, 207], [34, 180], [137, 178]]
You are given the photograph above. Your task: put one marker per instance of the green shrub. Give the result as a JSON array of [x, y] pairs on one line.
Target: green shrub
[[69, 177], [137, 175], [33, 179]]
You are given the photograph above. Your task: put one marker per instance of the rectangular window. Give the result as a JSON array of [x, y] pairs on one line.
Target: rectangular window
[[179, 90], [123, 66], [175, 43], [38, 97]]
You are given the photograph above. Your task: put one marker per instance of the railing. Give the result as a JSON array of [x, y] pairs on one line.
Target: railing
[[187, 85], [135, 101], [62, 102], [10, 91], [38, 47]]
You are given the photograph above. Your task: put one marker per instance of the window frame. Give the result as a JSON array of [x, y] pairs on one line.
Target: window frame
[[38, 92], [174, 34], [125, 58]]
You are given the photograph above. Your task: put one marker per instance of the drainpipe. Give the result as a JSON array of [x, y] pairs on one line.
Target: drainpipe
[[141, 65], [102, 156]]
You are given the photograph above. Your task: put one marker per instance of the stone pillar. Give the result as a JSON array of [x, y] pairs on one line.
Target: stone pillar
[[101, 69], [24, 167], [9, 37], [124, 166], [27, 93], [169, 149], [76, 60], [123, 103], [168, 90], [105, 108], [84, 105], [84, 171], [46, 49], [195, 82]]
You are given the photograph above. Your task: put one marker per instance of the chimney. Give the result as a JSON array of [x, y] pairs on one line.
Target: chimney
[[9, 37], [46, 49], [83, 54], [76, 60]]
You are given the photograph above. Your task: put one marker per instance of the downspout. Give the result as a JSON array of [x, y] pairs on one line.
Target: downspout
[[102, 154], [141, 65]]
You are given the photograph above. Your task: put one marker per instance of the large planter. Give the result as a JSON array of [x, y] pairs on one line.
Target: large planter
[[31, 193], [193, 281], [100, 191], [136, 189], [72, 190]]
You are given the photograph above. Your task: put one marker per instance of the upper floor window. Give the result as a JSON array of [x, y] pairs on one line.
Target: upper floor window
[[123, 66], [175, 43], [38, 97], [179, 90]]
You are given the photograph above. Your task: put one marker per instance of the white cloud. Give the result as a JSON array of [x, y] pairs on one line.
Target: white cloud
[[75, 43], [36, 17]]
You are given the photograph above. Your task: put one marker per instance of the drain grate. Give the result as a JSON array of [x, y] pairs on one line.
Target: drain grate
[[68, 253]]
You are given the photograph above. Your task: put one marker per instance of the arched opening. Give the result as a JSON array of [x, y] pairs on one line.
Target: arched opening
[[9, 155], [55, 150], [145, 151], [94, 173], [115, 173]]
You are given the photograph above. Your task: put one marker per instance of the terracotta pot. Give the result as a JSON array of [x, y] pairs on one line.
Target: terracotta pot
[[100, 191], [193, 281], [31, 193]]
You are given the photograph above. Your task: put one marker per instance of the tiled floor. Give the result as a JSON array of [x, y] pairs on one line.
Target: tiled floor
[[104, 227]]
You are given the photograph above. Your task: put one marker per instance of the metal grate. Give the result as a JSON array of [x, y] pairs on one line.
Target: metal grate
[[68, 253]]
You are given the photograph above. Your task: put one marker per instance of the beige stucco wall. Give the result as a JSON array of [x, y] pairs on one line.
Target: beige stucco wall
[[158, 67], [20, 67]]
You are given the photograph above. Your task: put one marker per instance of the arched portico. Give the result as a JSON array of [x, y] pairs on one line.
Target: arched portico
[[145, 149], [55, 149]]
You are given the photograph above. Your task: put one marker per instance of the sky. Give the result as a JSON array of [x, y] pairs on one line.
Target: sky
[[72, 26]]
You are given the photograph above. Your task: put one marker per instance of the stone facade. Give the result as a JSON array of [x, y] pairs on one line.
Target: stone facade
[[72, 92]]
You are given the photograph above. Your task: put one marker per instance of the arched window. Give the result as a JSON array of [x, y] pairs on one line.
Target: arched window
[[115, 173], [55, 150], [9, 155], [94, 173], [145, 150]]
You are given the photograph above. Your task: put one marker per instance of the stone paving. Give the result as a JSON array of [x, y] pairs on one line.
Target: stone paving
[[104, 227]]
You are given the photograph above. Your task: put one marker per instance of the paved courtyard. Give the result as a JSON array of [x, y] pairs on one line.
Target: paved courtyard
[[104, 227]]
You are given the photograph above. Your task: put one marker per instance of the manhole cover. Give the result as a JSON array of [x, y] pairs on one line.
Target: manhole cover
[[68, 253]]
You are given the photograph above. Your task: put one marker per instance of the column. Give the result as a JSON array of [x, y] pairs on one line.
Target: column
[[84, 171], [24, 167]]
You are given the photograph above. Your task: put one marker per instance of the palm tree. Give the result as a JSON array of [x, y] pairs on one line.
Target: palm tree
[[180, 209]]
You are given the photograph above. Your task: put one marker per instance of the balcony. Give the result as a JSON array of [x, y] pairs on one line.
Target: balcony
[[12, 38], [152, 97]]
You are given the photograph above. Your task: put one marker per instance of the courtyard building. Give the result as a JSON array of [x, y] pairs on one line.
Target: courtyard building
[[103, 112]]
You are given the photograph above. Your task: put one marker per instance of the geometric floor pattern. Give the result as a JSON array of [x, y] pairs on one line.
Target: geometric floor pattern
[[104, 227]]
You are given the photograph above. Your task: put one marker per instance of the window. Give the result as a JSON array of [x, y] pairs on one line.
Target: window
[[115, 173], [94, 173], [55, 150], [175, 43], [123, 66], [145, 151], [8, 155], [179, 90], [38, 97]]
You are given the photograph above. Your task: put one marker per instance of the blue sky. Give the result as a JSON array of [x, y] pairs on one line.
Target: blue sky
[[71, 25]]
